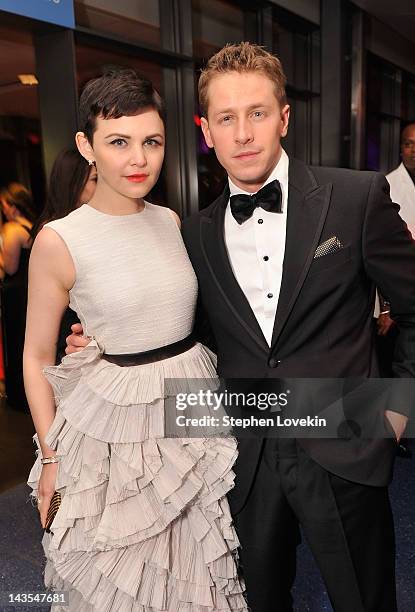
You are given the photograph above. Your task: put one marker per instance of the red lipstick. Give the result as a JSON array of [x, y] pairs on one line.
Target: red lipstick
[[137, 178]]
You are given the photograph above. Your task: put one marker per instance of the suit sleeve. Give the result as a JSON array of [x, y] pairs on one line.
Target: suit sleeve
[[389, 260], [202, 330]]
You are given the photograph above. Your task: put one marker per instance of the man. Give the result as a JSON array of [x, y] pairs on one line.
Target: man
[[402, 179], [287, 283], [402, 191], [279, 307]]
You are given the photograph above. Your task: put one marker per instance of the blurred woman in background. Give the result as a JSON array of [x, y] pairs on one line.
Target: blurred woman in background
[[72, 183], [17, 208]]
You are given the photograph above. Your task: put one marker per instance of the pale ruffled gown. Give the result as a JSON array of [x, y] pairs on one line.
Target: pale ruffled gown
[[144, 523]]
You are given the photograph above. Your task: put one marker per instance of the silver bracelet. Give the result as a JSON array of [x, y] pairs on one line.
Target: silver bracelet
[[49, 460]]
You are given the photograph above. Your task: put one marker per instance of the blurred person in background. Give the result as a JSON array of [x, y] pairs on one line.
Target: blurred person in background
[[72, 183], [402, 179], [17, 208], [402, 190]]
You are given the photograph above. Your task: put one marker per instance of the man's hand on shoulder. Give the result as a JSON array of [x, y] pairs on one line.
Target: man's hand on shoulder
[[76, 341]]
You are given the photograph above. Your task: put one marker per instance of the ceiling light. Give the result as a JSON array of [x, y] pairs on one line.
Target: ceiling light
[[27, 79]]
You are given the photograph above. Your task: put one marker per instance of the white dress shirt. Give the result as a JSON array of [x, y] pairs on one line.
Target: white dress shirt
[[403, 193], [256, 251]]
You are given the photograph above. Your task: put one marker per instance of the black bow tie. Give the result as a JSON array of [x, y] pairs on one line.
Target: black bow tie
[[269, 198]]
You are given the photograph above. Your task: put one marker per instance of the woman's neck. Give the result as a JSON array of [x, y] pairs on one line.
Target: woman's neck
[[113, 203]]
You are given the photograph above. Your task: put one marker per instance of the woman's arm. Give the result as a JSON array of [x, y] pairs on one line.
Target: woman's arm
[[2, 273], [12, 245], [51, 275]]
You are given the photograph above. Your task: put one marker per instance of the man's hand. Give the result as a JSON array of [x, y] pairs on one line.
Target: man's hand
[[384, 324], [398, 422], [76, 341]]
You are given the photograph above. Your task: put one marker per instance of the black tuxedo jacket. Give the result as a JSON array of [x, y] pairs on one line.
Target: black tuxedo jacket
[[323, 325]]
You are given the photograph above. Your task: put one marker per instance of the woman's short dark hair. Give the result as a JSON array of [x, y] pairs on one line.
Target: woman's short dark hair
[[68, 177], [19, 196], [118, 92]]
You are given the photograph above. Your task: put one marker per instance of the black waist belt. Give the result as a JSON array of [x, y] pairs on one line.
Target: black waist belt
[[164, 352]]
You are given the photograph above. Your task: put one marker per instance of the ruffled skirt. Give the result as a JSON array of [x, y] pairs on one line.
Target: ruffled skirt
[[144, 524]]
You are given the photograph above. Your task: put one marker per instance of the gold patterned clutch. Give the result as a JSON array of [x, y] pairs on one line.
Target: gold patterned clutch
[[55, 502]]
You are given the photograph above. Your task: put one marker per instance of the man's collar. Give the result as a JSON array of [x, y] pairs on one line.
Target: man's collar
[[280, 172]]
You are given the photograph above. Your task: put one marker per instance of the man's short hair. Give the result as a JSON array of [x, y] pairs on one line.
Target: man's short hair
[[242, 57], [118, 92]]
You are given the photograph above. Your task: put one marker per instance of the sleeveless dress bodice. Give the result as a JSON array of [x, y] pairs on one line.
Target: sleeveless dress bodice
[[133, 277]]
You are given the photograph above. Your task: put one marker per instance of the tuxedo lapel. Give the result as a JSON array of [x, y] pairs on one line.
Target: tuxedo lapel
[[307, 209], [214, 250]]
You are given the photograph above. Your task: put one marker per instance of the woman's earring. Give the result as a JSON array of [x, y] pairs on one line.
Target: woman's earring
[[91, 162]]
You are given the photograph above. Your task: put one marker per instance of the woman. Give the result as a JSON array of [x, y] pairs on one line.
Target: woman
[[144, 523], [16, 205], [72, 183]]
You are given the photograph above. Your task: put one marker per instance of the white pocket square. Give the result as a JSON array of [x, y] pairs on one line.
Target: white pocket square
[[331, 245]]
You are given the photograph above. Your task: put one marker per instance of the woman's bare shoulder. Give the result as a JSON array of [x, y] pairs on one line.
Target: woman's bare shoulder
[[49, 243], [50, 253], [12, 228], [14, 233]]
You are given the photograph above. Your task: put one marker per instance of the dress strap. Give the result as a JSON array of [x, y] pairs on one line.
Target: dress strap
[[27, 228]]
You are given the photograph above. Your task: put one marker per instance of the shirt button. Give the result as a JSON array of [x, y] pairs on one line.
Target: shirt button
[[273, 363], [265, 258], [270, 295], [260, 221]]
